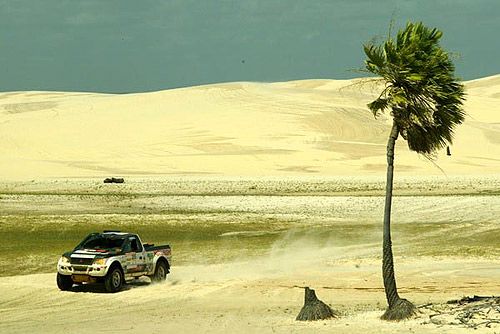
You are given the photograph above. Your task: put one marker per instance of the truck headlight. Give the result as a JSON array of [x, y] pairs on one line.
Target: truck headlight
[[100, 261], [64, 260]]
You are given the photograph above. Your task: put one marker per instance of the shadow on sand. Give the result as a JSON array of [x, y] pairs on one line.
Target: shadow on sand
[[99, 287]]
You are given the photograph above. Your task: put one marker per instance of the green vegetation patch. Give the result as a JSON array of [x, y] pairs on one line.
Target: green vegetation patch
[[33, 244]]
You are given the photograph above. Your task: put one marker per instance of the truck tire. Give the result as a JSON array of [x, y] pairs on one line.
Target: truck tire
[[113, 281], [161, 271], [64, 282]]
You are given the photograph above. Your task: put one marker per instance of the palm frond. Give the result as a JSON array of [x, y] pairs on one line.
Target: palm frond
[[378, 106], [422, 93]]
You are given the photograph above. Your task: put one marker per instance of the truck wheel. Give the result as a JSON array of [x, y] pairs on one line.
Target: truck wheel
[[113, 281], [160, 272], [64, 282]]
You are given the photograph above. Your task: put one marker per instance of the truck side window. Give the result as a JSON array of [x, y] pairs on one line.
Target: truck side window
[[126, 247], [135, 244], [139, 245]]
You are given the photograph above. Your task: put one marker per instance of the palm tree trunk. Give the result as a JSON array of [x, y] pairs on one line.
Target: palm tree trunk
[[399, 308], [391, 291]]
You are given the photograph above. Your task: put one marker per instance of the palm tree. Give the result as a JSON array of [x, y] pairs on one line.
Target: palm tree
[[425, 101]]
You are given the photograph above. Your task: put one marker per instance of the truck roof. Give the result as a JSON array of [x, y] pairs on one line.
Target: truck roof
[[110, 234], [118, 233], [114, 232]]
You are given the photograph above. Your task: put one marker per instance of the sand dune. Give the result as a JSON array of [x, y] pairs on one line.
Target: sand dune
[[307, 127]]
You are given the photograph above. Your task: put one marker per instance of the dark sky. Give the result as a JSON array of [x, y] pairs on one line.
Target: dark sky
[[144, 45]]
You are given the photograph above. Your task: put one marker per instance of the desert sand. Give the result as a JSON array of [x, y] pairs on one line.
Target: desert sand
[[229, 298], [311, 127], [292, 175]]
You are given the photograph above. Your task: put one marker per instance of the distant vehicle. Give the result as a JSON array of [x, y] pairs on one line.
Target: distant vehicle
[[114, 180], [112, 258]]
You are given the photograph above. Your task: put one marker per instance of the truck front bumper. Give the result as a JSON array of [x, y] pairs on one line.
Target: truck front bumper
[[91, 271]]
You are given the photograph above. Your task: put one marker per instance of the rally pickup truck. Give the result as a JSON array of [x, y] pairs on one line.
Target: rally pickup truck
[[112, 258]]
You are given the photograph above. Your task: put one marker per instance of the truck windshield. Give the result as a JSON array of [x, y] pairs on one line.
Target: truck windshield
[[102, 242]]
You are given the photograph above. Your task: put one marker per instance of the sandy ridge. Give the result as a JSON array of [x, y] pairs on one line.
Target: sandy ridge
[[307, 127]]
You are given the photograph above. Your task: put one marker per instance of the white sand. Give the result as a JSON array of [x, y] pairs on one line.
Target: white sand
[[253, 297], [312, 127], [309, 127]]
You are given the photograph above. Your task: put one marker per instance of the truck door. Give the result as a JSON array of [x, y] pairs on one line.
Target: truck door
[[134, 256], [140, 254], [130, 265]]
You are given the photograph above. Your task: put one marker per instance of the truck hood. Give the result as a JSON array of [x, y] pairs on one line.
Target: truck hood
[[91, 253]]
